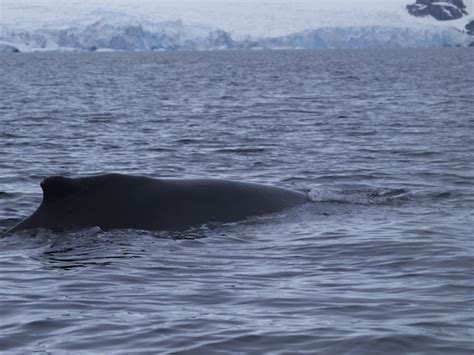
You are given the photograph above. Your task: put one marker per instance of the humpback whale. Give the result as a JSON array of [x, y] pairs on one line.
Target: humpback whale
[[116, 201]]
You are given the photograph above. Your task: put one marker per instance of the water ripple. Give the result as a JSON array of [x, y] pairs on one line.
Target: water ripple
[[379, 262]]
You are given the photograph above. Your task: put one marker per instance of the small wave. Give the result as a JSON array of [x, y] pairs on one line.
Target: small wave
[[357, 133], [73, 249], [188, 140], [4, 194], [99, 117], [435, 195], [7, 223], [366, 195], [8, 135], [241, 150], [363, 196]]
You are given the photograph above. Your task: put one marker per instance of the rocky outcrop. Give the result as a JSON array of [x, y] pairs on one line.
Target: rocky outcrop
[[5, 48], [470, 28], [441, 10]]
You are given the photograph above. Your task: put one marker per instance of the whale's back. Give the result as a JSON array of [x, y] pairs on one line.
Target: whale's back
[[136, 202]]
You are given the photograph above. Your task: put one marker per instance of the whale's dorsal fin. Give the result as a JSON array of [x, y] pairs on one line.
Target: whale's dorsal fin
[[56, 188]]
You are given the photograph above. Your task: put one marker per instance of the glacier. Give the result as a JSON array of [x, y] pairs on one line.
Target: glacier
[[177, 36], [369, 37], [121, 25]]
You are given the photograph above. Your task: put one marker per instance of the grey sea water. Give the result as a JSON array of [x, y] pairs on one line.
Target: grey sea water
[[381, 262]]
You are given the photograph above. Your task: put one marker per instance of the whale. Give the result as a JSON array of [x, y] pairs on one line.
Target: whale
[[118, 201]]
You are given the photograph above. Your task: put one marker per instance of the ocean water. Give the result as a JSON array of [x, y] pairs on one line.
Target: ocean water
[[380, 262]]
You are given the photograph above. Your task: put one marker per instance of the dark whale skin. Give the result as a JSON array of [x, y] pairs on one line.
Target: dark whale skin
[[116, 201]]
